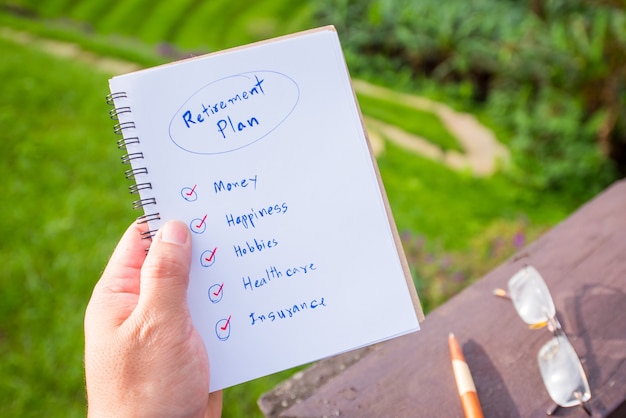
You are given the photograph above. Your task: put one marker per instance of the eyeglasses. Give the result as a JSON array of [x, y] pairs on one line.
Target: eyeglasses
[[561, 370]]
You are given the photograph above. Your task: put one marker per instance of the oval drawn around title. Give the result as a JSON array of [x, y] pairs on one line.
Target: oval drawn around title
[[234, 112]]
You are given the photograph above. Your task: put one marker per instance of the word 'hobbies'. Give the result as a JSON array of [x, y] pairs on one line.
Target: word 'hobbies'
[[256, 246]]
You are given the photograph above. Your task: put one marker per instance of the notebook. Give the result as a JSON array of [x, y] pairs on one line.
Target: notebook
[[261, 150]]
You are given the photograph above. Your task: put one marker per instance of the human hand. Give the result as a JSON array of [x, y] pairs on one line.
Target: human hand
[[143, 356]]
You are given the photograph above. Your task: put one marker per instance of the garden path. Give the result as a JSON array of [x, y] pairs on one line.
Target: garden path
[[482, 152]]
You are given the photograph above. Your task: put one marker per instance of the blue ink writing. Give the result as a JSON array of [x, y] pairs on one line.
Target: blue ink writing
[[248, 219], [220, 105], [287, 312], [256, 246], [220, 186], [241, 125], [273, 273]]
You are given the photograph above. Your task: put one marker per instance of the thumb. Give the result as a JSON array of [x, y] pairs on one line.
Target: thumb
[[165, 272]]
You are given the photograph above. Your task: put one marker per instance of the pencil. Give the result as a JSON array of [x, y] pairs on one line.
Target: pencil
[[464, 381]]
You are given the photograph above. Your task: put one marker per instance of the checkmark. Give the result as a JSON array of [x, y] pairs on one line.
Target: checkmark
[[219, 290], [192, 190], [210, 258], [216, 292], [226, 324], [201, 222], [189, 193]]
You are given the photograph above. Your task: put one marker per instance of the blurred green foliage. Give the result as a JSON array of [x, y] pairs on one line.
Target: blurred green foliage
[[552, 73], [64, 207], [191, 25], [60, 215], [525, 62], [547, 75], [421, 123]]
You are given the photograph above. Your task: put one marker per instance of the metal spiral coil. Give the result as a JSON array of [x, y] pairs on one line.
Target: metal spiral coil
[[118, 128], [148, 217], [124, 142], [114, 96], [149, 234], [127, 158], [122, 128], [115, 112], [138, 204], [135, 188], [130, 174]]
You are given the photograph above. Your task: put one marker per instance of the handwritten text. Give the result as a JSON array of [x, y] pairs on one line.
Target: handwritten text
[[220, 186], [192, 118], [256, 246], [273, 273], [287, 312], [248, 219]]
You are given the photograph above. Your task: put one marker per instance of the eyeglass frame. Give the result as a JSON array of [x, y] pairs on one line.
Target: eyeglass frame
[[554, 326]]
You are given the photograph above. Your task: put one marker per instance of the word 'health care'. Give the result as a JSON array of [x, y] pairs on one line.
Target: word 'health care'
[[273, 273]]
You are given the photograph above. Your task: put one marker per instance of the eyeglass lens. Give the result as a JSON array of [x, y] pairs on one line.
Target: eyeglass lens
[[531, 297], [561, 370]]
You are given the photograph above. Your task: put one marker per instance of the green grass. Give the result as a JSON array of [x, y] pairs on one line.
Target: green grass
[[61, 214], [83, 10], [424, 124], [122, 17], [165, 20], [64, 207], [192, 25], [450, 207], [110, 45]]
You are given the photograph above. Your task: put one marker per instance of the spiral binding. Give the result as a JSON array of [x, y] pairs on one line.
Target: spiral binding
[[127, 158], [130, 174], [121, 128], [137, 204], [114, 113], [118, 128], [122, 143], [150, 217], [114, 96]]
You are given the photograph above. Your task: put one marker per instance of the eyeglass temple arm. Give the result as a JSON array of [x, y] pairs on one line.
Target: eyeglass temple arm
[[583, 405]]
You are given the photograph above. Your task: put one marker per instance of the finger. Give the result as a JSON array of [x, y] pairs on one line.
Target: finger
[[122, 272], [115, 295], [214, 405], [165, 272]]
